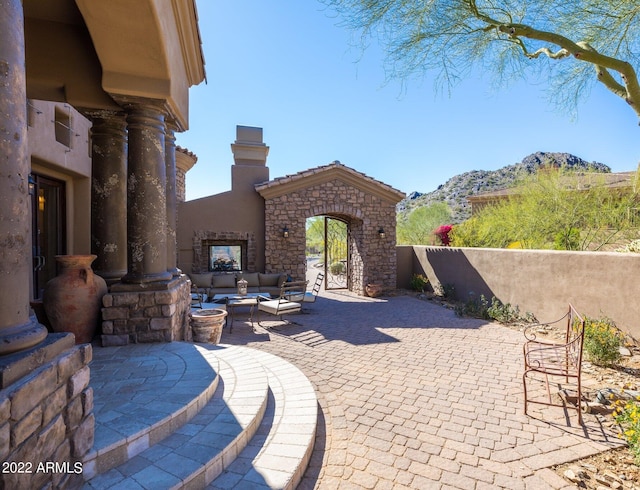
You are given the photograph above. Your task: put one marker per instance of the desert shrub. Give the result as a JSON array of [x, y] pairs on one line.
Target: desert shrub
[[496, 310], [336, 268], [507, 314], [418, 282], [445, 291], [474, 307], [633, 246], [627, 414], [602, 341]]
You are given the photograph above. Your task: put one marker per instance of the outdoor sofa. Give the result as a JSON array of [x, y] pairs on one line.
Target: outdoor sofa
[[211, 283]]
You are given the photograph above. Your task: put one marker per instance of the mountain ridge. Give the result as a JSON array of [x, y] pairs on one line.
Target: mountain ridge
[[454, 192]]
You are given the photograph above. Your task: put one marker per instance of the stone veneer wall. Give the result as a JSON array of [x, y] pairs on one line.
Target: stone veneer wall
[[147, 316], [203, 238], [181, 181], [47, 417], [372, 259]]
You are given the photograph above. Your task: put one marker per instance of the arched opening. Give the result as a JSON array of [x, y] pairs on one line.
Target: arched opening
[[327, 249], [341, 194]]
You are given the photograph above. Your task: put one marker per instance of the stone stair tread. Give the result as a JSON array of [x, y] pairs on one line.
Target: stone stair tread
[[277, 456], [142, 393], [199, 450]]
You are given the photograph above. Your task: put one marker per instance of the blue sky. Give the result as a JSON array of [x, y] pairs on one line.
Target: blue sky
[[288, 67]]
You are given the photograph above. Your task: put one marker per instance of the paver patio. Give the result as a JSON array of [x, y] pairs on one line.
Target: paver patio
[[413, 396]]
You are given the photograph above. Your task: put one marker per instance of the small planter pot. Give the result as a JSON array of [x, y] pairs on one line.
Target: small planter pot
[[373, 290], [207, 325]]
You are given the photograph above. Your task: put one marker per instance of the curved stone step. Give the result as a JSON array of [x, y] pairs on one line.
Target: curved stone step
[[143, 393], [199, 451], [279, 453]]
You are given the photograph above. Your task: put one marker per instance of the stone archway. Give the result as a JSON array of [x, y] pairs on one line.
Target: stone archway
[[367, 205]]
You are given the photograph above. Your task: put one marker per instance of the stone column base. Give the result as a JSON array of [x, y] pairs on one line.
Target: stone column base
[[46, 415], [155, 312]]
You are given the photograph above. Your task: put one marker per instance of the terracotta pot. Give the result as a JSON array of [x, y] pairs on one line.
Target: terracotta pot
[[207, 325], [373, 290], [73, 298]]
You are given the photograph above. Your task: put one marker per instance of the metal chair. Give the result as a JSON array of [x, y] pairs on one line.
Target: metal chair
[[310, 296], [549, 360], [289, 301]]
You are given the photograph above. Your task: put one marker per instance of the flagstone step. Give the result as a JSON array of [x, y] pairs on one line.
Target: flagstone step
[[256, 431], [277, 456], [143, 393]]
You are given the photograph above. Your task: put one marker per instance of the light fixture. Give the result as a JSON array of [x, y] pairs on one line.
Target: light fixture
[[381, 232], [285, 232], [32, 185]]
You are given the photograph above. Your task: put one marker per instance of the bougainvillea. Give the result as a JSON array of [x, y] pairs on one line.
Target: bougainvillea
[[442, 232]]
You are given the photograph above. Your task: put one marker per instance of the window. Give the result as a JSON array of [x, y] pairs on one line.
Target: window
[[63, 127], [225, 257]]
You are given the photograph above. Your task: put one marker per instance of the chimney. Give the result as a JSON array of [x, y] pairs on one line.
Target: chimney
[[248, 148]]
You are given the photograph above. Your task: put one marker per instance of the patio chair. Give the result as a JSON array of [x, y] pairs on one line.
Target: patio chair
[[545, 361], [289, 301], [310, 296]]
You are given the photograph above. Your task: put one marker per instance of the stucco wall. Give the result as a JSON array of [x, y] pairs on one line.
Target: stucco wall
[[69, 164], [538, 281], [240, 211]]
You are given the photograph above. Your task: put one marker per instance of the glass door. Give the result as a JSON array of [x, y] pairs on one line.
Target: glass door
[[48, 228]]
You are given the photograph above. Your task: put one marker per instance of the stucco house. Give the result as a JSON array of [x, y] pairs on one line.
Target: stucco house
[[254, 214], [92, 94]]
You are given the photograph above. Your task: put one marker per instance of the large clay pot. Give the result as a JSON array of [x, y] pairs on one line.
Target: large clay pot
[[73, 298], [207, 325], [373, 290]]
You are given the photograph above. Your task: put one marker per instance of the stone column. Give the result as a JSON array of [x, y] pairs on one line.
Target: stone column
[[109, 195], [170, 163], [146, 201], [19, 329]]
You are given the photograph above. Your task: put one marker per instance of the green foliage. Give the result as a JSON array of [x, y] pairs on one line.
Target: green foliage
[[596, 41], [337, 268], [419, 282], [567, 239], [507, 314], [631, 247], [496, 310], [315, 235], [336, 238], [445, 291], [474, 307], [627, 414], [552, 209], [417, 226], [602, 341], [336, 247]]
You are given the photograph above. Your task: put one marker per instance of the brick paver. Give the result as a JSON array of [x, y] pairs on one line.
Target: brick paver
[[413, 396]]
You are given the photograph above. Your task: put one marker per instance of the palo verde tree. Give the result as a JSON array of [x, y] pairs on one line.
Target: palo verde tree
[[508, 37], [417, 226], [555, 209]]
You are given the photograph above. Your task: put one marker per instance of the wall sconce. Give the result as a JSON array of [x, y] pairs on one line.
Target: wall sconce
[[285, 232], [381, 233]]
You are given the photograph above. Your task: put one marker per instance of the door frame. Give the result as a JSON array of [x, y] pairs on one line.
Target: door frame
[[44, 268]]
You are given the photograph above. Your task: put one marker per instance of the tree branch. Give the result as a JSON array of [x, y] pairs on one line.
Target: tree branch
[[629, 90]]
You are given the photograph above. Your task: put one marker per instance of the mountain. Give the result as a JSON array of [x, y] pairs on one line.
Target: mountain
[[456, 190]]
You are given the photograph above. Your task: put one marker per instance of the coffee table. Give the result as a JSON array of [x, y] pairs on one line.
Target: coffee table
[[235, 300]]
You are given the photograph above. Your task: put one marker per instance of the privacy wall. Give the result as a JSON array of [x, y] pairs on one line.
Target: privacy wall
[[538, 281]]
